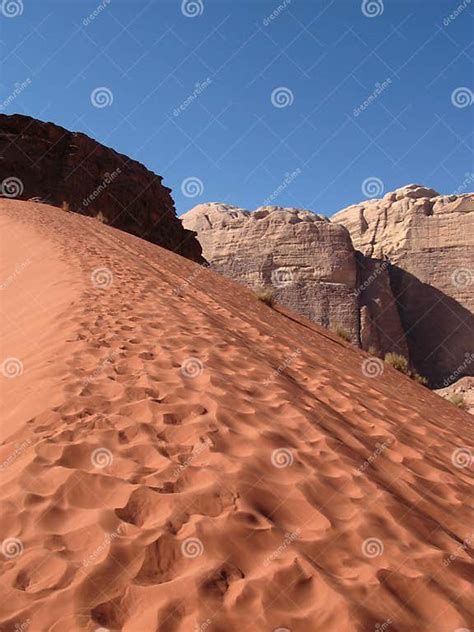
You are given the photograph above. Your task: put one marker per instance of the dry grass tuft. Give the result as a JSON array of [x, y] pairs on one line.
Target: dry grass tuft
[[341, 332], [265, 295], [458, 400], [400, 363], [101, 218]]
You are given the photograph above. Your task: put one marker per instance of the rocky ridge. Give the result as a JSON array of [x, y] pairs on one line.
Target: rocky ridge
[[45, 162]]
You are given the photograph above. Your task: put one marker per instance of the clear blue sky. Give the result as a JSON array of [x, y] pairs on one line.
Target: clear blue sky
[[327, 56]]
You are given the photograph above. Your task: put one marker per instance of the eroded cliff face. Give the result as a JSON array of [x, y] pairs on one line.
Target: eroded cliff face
[[45, 161], [429, 241], [310, 263]]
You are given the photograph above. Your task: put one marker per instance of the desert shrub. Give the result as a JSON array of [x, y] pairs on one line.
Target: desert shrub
[[373, 351], [101, 218], [400, 363], [458, 400], [265, 295], [419, 378], [397, 361], [341, 332], [65, 206]]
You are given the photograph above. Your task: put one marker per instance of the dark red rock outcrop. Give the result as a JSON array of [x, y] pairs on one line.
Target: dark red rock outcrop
[[45, 161]]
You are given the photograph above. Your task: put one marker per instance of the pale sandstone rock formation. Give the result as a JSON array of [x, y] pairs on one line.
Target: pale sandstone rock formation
[[309, 261], [429, 240], [463, 388]]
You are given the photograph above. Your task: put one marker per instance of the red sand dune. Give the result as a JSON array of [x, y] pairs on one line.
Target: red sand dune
[[178, 456]]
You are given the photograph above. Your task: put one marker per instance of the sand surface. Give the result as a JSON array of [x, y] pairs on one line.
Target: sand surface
[[178, 456]]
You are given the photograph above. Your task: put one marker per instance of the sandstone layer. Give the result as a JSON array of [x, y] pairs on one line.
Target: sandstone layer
[[200, 461], [309, 262], [44, 161], [429, 241]]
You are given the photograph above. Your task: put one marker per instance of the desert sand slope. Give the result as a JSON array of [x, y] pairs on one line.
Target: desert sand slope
[[196, 461]]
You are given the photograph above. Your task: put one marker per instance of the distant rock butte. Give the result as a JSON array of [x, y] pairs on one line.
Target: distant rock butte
[[397, 273], [429, 240], [59, 166], [309, 261]]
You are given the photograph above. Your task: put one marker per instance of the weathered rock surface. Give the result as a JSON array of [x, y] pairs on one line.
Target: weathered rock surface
[[429, 240], [45, 161], [309, 261]]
